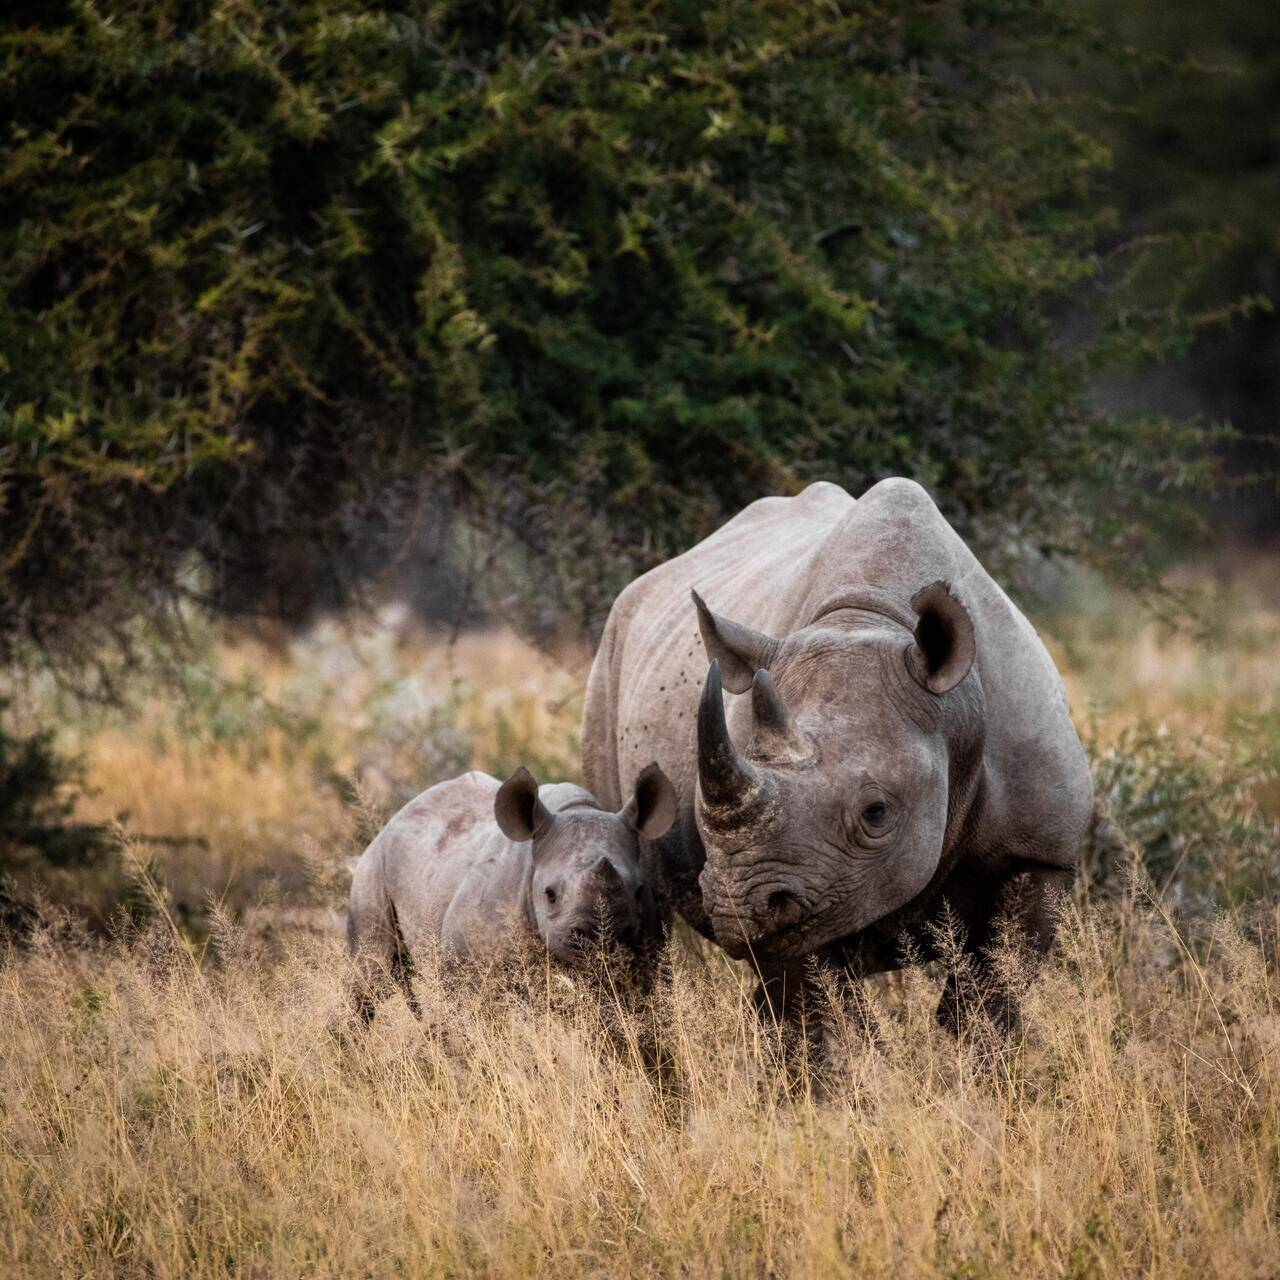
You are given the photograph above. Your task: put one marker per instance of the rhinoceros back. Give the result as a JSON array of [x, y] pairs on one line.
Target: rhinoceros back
[[774, 567]]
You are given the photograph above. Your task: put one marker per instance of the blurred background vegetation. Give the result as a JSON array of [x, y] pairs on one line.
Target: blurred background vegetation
[[488, 307], [1191, 110]]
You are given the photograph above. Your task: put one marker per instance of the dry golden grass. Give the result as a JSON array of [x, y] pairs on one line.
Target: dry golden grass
[[501, 697], [166, 1118], [249, 769], [1193, 684], [170, 1107]]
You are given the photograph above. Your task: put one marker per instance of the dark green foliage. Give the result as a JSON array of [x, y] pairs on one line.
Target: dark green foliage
[[1190, 107], [1189, 812], [599, 277], [37, 797]]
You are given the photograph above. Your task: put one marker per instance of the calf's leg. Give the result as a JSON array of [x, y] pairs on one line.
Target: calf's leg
[[381, 961]]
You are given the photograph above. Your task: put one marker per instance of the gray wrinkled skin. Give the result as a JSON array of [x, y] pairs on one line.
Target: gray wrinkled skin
[[895, 734], [446, 873]]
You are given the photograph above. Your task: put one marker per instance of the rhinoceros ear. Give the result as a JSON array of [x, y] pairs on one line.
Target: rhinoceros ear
[[652, 808], [945, 648], [519, 812], [740, 651]]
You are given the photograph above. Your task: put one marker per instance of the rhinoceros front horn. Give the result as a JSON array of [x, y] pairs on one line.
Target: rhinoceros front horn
[[726, 780]]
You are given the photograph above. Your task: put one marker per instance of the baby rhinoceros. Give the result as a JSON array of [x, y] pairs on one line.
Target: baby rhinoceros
[[481, 870]]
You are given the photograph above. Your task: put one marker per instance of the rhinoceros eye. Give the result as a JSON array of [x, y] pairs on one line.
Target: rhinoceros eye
[[551, 895], [875, 813]]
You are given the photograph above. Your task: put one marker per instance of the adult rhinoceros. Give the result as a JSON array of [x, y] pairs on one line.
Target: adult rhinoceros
[[906, 739]]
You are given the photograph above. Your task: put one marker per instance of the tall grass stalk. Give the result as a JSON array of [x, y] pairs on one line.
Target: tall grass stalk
[[164, 1118]]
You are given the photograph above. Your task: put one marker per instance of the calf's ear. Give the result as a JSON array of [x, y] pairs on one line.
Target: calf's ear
[[519, 812], [740, 651], [944, 646], [652, 808]]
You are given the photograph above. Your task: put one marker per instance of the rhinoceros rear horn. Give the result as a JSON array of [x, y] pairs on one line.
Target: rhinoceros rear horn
[[739, 650], [725, 778], [944, 647], [774, 736]]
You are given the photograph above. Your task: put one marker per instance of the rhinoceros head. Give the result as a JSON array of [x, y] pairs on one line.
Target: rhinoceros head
[[834, 811], [587, 886]]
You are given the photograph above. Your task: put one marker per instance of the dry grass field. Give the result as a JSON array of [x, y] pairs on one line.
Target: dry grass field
[[184, 1097]]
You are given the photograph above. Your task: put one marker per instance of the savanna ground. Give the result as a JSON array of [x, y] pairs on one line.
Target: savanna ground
[[179, 1094]]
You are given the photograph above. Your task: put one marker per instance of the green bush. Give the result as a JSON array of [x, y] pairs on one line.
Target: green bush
[[273, 270], [37, 796], [37, 799], [1188, 812], [1188, 103]]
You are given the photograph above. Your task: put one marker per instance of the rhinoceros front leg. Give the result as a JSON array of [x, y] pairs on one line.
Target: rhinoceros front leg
[[1028, 898], [805, 999], [785, 996], [786, 1002]]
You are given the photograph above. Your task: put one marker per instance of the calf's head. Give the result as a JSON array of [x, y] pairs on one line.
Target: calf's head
[[587, 888], [835, 810]]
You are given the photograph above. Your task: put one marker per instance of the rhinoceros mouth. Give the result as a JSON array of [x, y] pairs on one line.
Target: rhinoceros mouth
[[786, 943]]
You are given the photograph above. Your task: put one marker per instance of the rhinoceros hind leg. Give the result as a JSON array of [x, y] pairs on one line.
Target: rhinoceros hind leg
[[382, 960], [402, 966]]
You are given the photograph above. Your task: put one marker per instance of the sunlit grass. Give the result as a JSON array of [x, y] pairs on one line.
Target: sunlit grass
[[168, 1118], [191, 1100]]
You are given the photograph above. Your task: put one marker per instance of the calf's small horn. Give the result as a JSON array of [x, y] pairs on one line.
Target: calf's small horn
[[605, 872]]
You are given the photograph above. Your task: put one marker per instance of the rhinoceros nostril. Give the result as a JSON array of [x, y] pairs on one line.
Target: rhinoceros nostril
[[782, 908]]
